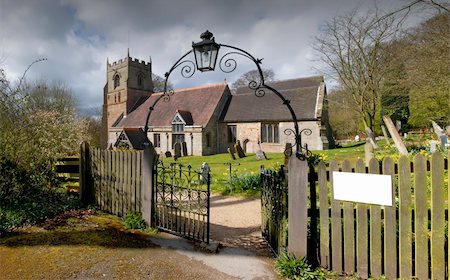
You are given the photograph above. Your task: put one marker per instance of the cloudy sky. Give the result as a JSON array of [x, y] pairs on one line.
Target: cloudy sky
[[77, 37]]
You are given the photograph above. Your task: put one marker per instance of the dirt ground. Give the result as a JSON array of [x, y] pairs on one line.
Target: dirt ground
[[81, 245], [236, 222]]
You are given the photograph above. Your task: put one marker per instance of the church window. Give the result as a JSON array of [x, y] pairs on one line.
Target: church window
[[116, 80], [177, 124], [232, 134], [157, 140], [119, 98], [140, 79], [270, 133]]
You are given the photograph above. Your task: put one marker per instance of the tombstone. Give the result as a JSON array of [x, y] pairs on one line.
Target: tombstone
[[432, 146], [368, 152], [177, 150], [357, 138], [398, 125], [239, 150], [444, 141], [395, 136], [383, 128], [204, 172], [168, 154], [184, 149], [233, 157], [260, 155]]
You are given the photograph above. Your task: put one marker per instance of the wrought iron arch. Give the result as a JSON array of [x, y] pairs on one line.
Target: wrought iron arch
[[228, 64]]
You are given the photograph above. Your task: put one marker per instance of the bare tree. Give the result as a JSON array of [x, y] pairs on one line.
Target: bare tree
[[253, 76], [351, 46]]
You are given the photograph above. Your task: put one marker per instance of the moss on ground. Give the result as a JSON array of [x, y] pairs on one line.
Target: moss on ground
[[68, 244]]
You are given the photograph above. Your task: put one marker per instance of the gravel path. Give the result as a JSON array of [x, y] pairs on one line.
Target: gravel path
[[236, 223]]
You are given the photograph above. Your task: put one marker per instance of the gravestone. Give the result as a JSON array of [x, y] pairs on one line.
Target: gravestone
[[177, 150], [383, 128], [368, 152], [260, 153], [204, 171], [444, 141], [230, 151], [432, 146], [395, 136], [357, 138], [168, 154], [239, 150], [184, 149]]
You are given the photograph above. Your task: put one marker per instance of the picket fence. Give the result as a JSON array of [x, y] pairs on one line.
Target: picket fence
[[112, 179], [406, 240]]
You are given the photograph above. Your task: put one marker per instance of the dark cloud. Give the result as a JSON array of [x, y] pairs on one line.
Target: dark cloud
[[78, 36]]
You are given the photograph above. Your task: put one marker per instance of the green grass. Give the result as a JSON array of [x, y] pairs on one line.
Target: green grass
[[220, 165], [220, 168]]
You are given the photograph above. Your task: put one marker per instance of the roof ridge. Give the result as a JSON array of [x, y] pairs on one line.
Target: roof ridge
[[211, 85]]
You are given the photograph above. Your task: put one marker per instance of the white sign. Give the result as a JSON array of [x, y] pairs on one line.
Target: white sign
[[361, 187]]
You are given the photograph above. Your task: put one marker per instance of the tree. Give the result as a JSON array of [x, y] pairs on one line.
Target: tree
[[351, 47], [253, 76], [343, 119], [158, 83], [38, 123], [428, 71]]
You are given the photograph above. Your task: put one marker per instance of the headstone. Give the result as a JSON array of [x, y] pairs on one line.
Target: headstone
[[168, 154], [432, 146], [368, 152], [260, 155], [395, 136], [444, 141], [357, 138], [184, 149], [371, 137], [230, 151], [383, 128], [204, 172], [239, 150], [177, 150], [398, 125], [437, 129]]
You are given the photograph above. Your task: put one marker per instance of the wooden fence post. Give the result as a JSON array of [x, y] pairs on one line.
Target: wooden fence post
[[148, 162], [86, 180], [297, 207]]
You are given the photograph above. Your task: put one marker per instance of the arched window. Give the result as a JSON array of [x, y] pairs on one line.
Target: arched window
[[116, 80], [140, 79]]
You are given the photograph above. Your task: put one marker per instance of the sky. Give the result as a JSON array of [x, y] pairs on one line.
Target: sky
[[78, 37]]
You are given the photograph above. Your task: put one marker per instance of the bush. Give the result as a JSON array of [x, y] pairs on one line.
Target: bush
[[245, 182], [133, 220], [29, 195], [293, 268]]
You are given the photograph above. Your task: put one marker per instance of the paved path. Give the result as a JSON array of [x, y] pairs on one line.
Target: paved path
[[236, 224]]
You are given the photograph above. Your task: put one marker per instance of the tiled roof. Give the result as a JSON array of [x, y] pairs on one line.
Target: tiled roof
[[136, 138], [200, 102], [302, 93]]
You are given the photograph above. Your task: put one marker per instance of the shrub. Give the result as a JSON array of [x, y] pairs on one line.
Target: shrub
[[133, 220], [245, 182], [294, 268]]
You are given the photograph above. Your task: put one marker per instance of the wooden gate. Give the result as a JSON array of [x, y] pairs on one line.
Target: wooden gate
[[181, 201]]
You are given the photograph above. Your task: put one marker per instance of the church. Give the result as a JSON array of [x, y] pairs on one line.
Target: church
[[209, 118]]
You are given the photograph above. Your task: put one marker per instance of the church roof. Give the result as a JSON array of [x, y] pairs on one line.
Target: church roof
[[195, 105], [305, 95]]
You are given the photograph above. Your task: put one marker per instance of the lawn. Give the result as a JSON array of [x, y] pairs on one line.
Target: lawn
[[240, 171]]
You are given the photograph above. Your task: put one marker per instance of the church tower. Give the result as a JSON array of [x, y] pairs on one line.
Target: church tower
[[127, 81]]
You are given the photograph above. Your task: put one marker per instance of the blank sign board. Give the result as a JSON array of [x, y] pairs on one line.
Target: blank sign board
[[364, 188]]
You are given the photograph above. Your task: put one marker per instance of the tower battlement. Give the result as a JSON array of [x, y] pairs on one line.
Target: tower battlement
[[129, 60]]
